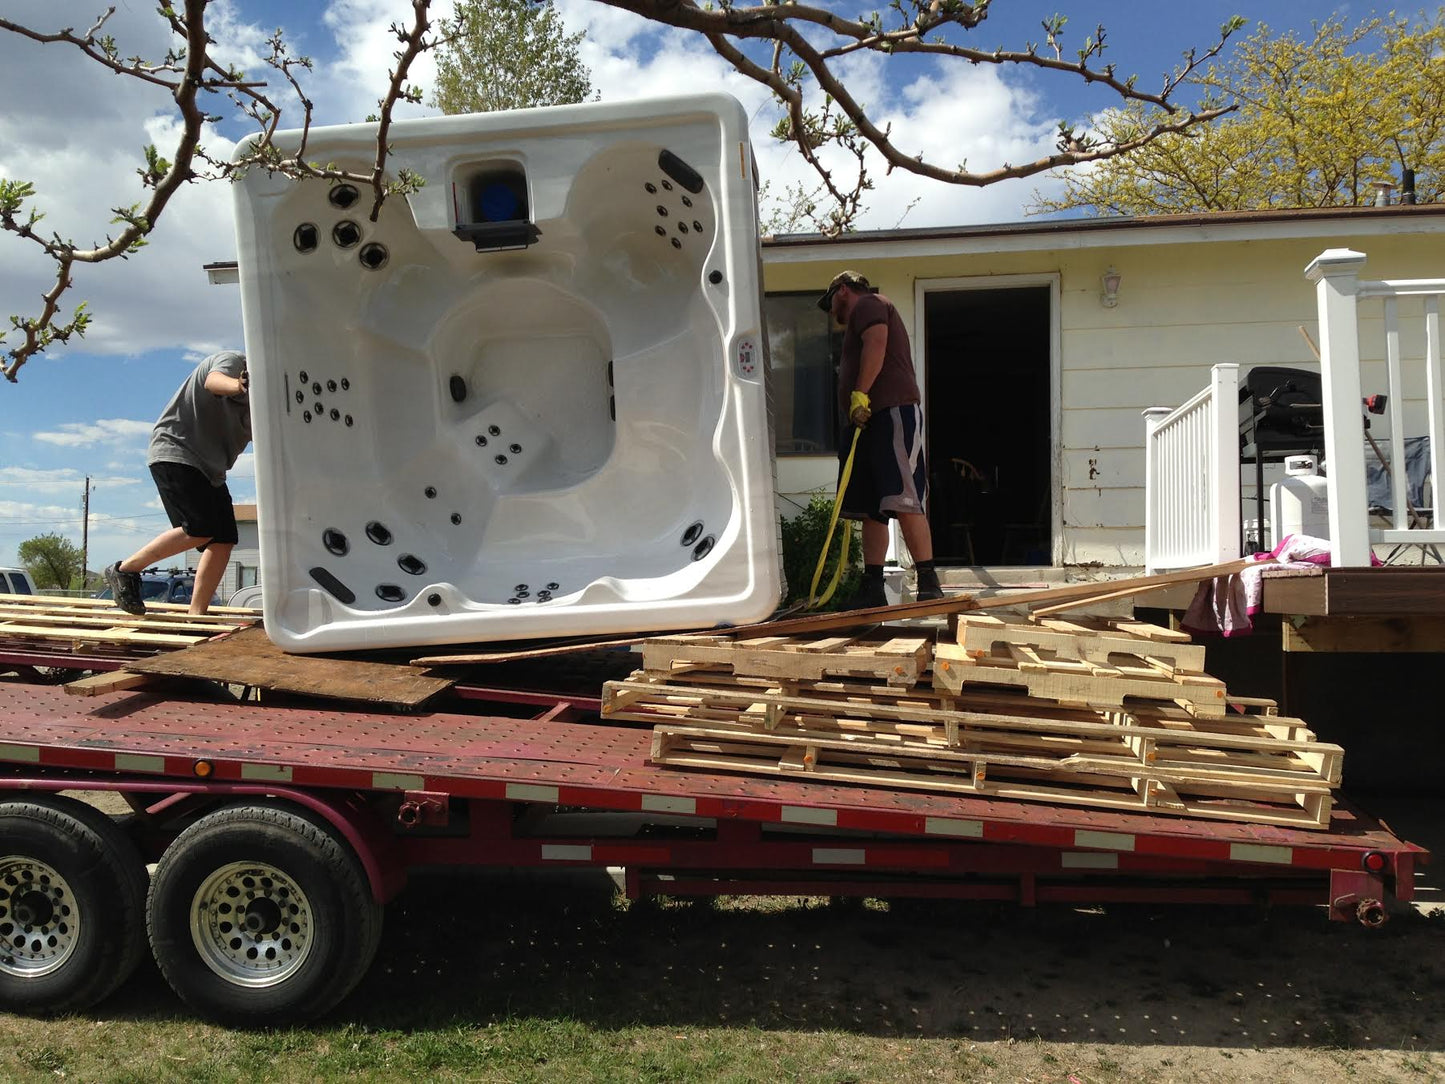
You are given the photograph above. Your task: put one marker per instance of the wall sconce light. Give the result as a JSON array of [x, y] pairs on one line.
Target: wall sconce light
[[1111, 279]]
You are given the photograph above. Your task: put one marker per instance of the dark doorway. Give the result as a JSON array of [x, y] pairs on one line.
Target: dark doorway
[[989, 397]]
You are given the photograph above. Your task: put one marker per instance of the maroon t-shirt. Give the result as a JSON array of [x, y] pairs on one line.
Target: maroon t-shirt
[[896, 383]]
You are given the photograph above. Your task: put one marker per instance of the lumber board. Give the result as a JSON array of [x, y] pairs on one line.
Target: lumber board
[[248, 657], [1365, 634], [113, 681], [848, 619], [97, 635], [50, 602]]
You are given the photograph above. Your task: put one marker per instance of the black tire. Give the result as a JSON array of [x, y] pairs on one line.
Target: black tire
[[72, 905], [262, 914]]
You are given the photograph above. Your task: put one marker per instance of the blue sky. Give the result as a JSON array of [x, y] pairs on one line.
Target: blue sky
[[76, 131]]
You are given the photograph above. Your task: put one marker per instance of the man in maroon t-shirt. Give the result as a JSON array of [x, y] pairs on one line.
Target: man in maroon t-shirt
[[878, 394]]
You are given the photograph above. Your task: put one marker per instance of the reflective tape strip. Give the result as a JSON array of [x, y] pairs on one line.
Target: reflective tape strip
[[1104, 841], [1089, 860], [796, 814], [22, 754], [557, 852], [266, 773], [1258, 852], [947, 826], [839, 856], [397, 781], [135, 762], [531, 792], [656, 803]]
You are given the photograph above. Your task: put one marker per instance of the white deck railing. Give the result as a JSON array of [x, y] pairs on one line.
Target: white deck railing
[[1191, 480], [1339, 292], [1191, 477]]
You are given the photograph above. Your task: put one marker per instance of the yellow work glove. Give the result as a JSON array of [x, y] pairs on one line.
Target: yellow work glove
[[858, 409]]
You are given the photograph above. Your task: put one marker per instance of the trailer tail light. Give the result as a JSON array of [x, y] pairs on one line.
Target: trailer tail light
[[1375, 861], [203, 769]]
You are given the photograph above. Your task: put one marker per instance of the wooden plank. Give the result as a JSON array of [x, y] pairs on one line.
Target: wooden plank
[[249, 658], [854, 618], [83, 619], [112, 682], [1365, 634], [1385, 592], [106, 635], [60, 601]]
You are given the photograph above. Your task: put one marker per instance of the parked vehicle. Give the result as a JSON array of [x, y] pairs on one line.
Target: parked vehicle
[[247, 596], [16, 581], [165, 585]]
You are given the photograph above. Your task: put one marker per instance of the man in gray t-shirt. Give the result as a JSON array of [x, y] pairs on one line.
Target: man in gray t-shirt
[[198, 437]]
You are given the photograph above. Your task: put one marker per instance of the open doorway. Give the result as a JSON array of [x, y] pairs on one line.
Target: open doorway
[[989, 401]]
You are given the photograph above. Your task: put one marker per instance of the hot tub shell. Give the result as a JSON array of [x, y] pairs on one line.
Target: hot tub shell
[[529, 400]]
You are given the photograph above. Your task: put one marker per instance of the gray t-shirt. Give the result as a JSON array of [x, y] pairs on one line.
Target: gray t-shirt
[[202, 429]]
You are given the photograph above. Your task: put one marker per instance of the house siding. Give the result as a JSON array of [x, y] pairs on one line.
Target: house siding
[[1187, 300]]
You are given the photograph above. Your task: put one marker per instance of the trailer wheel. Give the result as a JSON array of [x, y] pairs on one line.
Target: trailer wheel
[[261, 914], [72, 901]]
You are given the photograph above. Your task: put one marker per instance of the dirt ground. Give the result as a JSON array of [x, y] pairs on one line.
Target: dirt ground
[[1139, 993]]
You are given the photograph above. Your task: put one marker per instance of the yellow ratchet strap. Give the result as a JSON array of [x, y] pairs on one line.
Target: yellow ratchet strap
[[813, 600]]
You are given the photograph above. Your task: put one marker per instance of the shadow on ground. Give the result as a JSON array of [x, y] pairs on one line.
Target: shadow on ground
[[474, 949]]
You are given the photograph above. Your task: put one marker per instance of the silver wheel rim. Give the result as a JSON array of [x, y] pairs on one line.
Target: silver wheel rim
[[251, 924], [39, 918]]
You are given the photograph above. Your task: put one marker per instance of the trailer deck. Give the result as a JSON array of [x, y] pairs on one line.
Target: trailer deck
[[139, 742]]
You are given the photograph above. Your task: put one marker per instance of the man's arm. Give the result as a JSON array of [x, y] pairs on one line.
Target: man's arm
[[218, 383], [870, 362]]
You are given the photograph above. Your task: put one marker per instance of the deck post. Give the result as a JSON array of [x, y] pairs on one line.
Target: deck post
[[1335, 273], [1153, 509], [1224, 463]]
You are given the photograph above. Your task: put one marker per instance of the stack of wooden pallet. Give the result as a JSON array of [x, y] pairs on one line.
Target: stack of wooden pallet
[[97, 628], [1114, 714]]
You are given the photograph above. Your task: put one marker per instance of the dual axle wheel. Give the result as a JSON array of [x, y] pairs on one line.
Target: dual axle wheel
[[257, 913]]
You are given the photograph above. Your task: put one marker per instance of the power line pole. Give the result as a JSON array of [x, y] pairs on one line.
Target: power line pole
[[85, 534]]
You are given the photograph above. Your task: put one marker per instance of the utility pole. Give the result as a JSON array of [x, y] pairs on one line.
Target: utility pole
[[85, 533]]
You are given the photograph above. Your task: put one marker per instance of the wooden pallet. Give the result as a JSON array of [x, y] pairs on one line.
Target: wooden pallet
[[1266, 748], [1100, 641], [1153, 790], [900, 660], [98, 626], [1076, 681]]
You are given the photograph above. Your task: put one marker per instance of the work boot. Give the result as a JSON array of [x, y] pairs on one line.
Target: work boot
[[928, 587], [125, 589], [870, 595]]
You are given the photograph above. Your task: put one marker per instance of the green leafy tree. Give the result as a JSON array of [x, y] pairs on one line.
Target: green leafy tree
[[52, 561], [1320, 119], [509, 54]]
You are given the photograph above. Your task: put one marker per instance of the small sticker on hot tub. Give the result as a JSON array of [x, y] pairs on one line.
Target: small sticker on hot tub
[[747, 357]]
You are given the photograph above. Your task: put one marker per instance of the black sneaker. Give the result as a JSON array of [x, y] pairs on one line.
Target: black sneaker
[[125, 589], [928, 588], [870, 595]]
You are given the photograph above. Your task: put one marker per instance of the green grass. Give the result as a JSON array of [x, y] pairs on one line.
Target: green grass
[[533, 979]]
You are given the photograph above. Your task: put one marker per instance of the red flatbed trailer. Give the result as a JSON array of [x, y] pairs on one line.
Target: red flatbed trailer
[[259, 815]]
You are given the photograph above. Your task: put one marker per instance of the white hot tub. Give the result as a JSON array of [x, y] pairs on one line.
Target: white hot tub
[[527, 401]]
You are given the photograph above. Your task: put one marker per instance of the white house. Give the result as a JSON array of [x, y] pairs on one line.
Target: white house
[[1040, 344]]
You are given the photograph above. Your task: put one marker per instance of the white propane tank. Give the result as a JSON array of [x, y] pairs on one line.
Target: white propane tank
[[1300, 503]]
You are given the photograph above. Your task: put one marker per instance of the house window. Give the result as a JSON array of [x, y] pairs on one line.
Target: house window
[[247, 576], [803, 349]]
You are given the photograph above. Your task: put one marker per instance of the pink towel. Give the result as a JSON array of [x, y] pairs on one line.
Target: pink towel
[[1226, 605]]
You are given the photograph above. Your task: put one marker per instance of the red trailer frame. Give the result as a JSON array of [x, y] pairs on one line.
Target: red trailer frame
[[549, 790]]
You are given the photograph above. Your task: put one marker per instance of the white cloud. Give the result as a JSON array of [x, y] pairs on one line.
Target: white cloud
[[63, 478], [100, 431]]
